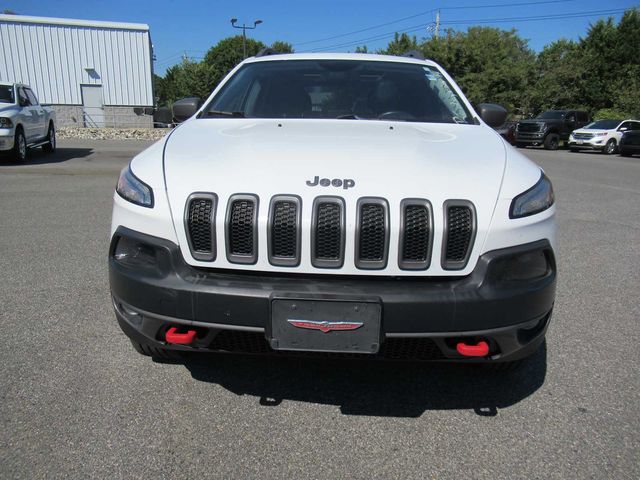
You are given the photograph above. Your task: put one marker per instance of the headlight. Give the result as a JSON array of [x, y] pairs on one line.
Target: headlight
[[535, 200], [5, 122], [133, 189]]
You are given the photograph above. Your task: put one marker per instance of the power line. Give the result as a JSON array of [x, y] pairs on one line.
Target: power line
[[433, 10], [417, 28]]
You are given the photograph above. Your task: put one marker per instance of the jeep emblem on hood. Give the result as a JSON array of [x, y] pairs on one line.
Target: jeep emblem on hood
[[336, 182]]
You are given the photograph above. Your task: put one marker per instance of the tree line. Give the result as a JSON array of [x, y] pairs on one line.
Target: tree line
[[600, 72]]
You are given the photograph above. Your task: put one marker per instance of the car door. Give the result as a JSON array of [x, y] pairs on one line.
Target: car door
[[570, 125], [27, 116], [622, 128], [39, 116]]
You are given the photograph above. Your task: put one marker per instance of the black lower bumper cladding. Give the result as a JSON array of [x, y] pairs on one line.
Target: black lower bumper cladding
[[421, 318]]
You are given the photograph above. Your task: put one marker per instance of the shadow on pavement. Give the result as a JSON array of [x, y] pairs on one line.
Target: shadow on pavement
[[37, 157], [375, 388]]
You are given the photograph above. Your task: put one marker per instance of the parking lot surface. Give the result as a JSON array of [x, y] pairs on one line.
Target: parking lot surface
[[77, 401]]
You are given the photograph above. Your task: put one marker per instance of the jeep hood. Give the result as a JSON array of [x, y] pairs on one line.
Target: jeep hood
[[389, 159], [392, 160]]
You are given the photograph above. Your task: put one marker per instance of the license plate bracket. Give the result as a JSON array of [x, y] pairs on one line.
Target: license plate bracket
[[325, 326]]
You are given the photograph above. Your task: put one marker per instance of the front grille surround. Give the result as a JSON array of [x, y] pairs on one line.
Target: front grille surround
[[415, 244], [583, 136], [372, 241], [452, 233], [281, 206], [239, 231], [200, 226], [328, 237]]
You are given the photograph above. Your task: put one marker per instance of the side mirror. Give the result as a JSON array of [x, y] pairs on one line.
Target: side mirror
[[492, 114], [186, 108]]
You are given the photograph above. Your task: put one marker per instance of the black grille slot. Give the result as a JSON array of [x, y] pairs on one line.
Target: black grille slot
[[200, 225], [372, 233], [460, 230], [415, 235], [284, 231], [242, 232], [328, 232]]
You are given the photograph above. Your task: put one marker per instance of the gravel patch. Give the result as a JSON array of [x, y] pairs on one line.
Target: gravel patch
[[112, 133]]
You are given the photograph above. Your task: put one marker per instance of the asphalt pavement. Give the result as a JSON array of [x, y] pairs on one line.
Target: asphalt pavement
[[76, 400]]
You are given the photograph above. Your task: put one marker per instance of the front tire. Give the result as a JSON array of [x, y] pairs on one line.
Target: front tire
[[551, 142], [19, 153], [610, 147], [50, 146]]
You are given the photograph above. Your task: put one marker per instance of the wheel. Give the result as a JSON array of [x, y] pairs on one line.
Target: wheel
[[156, 352], [50, 146], [19, 153], [610, 147], [551, 142]]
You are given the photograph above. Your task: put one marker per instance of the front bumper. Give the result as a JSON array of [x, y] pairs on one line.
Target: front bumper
[[530, 138], [6, 142], [512, 315], [587, 144]]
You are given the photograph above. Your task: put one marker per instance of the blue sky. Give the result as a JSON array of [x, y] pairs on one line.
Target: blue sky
[[191, 27]]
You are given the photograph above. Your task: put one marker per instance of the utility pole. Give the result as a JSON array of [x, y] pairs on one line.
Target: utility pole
[[244, 28], [438, 24]]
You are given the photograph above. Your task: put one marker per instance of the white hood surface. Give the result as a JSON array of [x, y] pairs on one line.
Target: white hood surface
[[392, 160]]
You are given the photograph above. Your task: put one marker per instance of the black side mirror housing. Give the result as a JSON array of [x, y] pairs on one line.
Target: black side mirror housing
[[185, 108], [492, 114]]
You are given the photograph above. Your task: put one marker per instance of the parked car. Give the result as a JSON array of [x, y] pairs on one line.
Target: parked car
[[550, 128], [630, 143], [603, 135], [508, 131], [335, 203], [24, 123]]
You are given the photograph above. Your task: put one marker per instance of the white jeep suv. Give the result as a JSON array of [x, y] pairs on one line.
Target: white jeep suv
[[342, 203]]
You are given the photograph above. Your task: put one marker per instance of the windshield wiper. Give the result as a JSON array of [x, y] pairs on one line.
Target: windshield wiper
[[221, 113]]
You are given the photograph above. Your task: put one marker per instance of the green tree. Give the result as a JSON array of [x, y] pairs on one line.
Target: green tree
[[282, 47], [401, 44], [489, 64], [559, 79]]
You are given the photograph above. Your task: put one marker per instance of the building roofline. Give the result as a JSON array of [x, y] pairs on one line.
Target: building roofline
[[73, 22]]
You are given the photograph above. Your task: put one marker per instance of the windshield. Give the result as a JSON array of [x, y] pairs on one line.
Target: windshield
[[552, 115], [604, 124], [349, 89], [6, 94]]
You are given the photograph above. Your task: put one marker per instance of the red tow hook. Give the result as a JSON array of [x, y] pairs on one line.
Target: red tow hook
[[180, 338], [479, 350]]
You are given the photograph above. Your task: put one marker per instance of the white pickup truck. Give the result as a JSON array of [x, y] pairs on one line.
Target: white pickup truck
[[24, 123]]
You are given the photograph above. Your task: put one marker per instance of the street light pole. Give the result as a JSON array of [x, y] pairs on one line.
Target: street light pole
[[244, 28]]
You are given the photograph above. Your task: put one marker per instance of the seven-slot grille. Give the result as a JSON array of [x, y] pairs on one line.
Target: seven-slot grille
[[328, 232]]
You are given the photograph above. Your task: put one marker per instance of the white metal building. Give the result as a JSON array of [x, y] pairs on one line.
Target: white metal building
[[93, 73]]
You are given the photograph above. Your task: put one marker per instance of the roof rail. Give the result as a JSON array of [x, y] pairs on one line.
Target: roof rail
[[414, 54], [266, 52]]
